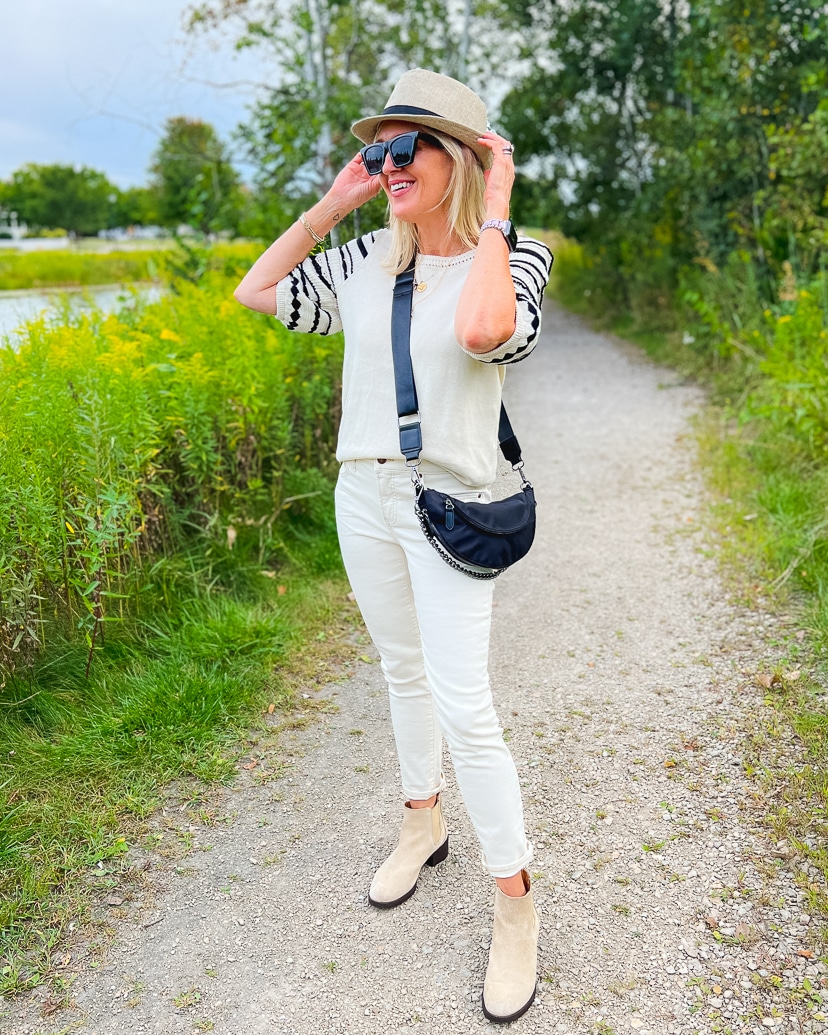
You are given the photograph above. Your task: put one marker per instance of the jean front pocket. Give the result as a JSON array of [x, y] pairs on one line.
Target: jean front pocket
[[345, 481], [472, 495], [436, 477]]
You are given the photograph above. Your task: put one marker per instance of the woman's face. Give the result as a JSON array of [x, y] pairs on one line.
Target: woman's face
[[415, 192]]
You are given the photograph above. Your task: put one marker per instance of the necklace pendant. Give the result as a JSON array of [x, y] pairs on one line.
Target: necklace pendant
[[422, 286]]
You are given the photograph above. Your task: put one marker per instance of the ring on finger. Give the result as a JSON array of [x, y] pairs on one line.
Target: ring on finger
[[508, 149]]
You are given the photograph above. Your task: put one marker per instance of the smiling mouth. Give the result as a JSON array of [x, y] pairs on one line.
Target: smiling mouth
[[400, 185]]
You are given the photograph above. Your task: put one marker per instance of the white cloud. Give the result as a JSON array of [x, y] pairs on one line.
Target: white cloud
[[91, 82]]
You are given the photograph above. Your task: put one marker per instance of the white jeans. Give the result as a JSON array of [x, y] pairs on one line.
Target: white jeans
[[431, 626]]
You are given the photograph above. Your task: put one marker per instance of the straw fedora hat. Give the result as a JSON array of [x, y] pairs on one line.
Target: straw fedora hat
[[437, 102]]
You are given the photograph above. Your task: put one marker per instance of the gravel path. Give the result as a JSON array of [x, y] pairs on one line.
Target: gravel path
[[620, 671]]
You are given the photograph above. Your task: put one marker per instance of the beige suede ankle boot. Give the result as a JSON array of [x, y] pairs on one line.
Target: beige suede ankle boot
[[512, 974], [423, 842]]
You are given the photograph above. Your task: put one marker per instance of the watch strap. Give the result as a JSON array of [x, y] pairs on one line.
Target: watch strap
[[506, 227]]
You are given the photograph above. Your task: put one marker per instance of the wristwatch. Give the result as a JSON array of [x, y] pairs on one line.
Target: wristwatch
[[506, 227]]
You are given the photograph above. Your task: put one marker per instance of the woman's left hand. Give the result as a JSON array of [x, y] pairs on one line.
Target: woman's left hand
[[500, 177]]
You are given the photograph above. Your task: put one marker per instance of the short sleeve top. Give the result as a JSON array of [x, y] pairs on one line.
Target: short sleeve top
[[349, 288]]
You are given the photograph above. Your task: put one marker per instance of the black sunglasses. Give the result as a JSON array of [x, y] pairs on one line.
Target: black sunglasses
[[401, 149]]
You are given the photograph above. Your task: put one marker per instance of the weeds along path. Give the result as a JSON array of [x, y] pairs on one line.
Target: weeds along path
[[618, 668]]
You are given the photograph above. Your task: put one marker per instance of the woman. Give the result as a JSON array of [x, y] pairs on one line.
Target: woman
[[476, 306]]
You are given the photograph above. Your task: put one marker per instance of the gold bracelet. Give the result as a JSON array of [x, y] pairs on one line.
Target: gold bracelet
[[303, 219]]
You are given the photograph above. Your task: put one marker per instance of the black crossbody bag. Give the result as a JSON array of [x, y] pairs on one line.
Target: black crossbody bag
[[480, 539]]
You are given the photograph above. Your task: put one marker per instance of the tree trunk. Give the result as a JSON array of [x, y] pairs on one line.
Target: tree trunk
[[463, 46]]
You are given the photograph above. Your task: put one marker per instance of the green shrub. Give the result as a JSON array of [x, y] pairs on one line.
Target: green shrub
[[791, 397], [187, 424]]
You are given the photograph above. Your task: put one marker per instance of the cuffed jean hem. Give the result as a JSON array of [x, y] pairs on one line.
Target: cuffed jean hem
[[512, 868], [424, 796]]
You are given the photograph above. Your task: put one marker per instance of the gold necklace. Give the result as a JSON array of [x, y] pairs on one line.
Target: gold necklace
[[420, 284]]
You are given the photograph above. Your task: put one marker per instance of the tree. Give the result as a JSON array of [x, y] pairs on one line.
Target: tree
[[48, 197], [333, 60], [795, 203], [583, 111], [668, 125], [194, 180], [136, 206], [751, 72]]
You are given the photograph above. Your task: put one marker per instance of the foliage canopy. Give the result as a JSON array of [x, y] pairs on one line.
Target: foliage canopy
[[682, 135], [53, 196], [332, 61], [193, 177]]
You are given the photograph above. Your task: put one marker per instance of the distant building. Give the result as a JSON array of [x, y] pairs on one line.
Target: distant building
[[134, 233], [10, 229]]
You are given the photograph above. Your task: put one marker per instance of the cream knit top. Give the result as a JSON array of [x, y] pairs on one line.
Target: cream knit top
[[349, 289]]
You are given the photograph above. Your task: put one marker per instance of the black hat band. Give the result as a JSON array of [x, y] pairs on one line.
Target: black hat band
[[409, 109]]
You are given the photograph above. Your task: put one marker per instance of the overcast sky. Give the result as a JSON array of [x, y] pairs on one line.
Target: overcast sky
[[90, 82]]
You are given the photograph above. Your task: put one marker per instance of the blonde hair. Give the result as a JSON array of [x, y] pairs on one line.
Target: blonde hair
[[466, 212]]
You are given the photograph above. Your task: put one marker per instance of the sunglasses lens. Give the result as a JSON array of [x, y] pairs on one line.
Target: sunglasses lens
[[373, 156], [401, 149]]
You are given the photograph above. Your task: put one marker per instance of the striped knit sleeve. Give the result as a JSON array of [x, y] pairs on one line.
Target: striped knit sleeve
[[306, 299], [530, 264]]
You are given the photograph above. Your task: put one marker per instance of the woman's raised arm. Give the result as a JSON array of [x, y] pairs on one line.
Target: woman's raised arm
[[485, 316], [352, 188]]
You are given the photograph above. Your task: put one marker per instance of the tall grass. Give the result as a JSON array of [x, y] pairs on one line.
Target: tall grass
[[166, 545], [75, 269], [128, 436]]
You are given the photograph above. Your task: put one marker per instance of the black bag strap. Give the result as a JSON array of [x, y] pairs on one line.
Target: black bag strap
[[408, 413]]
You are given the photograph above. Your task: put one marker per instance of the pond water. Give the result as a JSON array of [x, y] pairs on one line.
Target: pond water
[[17, 307]]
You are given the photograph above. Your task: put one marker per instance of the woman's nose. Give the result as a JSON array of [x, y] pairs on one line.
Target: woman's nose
[[387, 165]]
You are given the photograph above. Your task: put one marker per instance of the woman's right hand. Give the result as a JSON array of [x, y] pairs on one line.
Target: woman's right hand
[[353, 186]]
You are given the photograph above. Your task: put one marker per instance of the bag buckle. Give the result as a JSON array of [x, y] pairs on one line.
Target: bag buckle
[[416, 478], [411, 436], [524, 481]]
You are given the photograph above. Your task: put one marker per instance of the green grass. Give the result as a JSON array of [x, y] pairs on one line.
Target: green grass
[[88, 761], [57, 269], [187, 424], [768, 526], [81, 268]]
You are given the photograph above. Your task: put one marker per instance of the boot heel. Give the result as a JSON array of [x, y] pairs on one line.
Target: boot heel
[[440, 855]]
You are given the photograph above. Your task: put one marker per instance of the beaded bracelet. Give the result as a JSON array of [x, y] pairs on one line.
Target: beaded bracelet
[[303, 219]]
